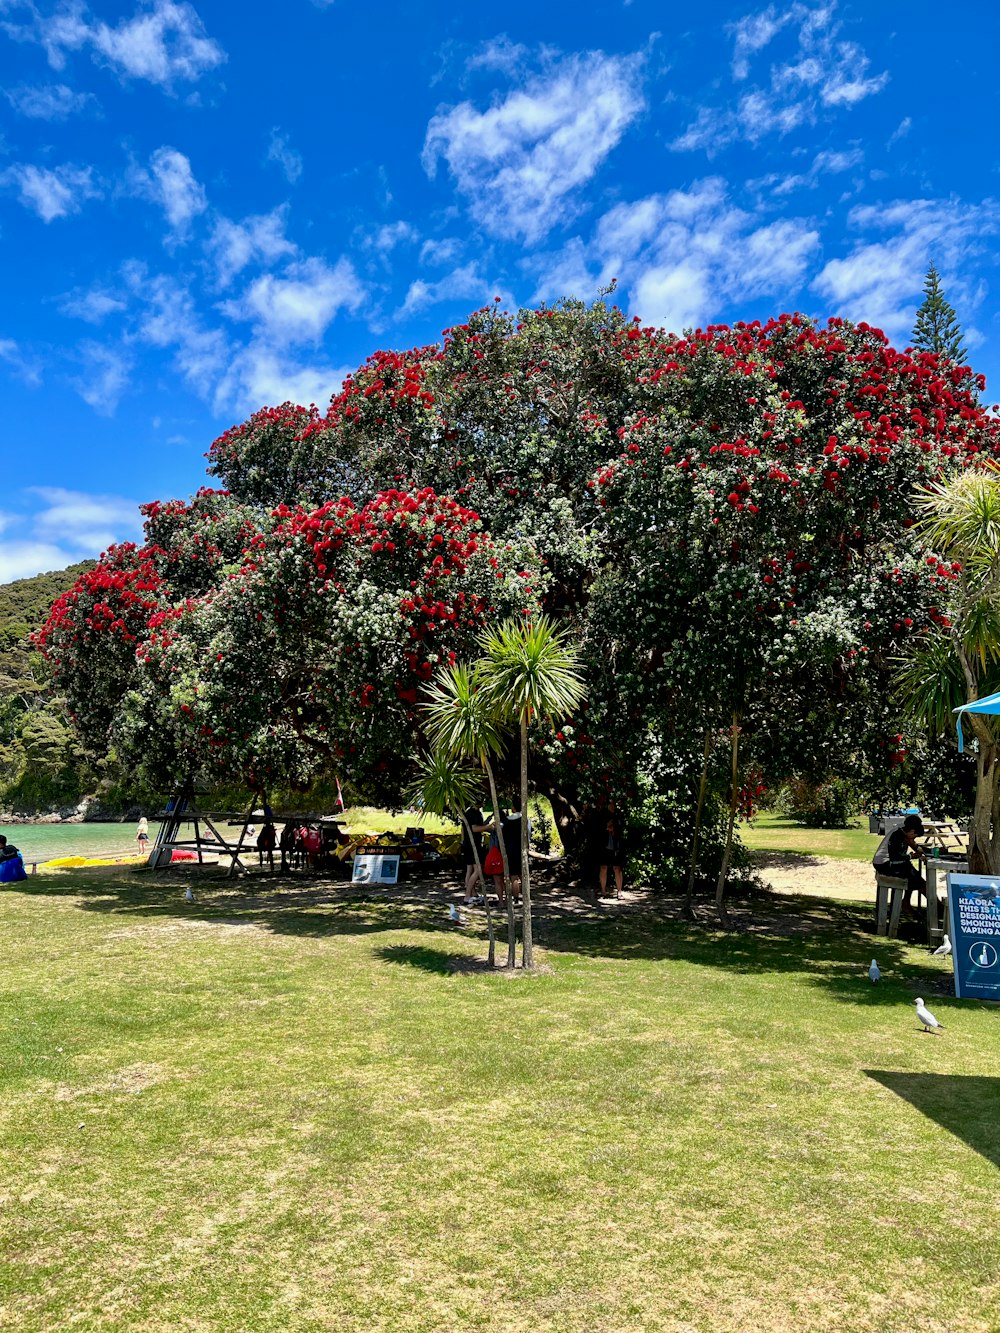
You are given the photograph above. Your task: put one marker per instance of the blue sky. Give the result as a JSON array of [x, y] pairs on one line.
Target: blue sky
[[207, 208]]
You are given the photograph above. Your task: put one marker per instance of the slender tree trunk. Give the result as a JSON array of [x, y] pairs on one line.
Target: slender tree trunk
[[982, 837], [702, 788], [511, 923], [720, 890], [490, 934], [527, 939]]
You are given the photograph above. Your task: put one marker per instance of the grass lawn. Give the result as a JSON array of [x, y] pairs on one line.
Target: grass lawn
[[290, 1112], [776, 833]]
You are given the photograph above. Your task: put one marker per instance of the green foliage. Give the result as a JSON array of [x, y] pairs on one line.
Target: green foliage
[[541, 828], [720, 522], [40, 762], [833, 803], [937, 328]]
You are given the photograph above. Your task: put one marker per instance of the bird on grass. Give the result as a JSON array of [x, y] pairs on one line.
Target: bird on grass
[[925, 1016], [943, 949], [455, 915], [874, 975], [188, 895]]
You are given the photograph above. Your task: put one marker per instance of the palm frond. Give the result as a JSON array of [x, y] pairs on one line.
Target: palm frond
[[459, 719], [960, 517], [930, 683], [530, 668], [444, 785]]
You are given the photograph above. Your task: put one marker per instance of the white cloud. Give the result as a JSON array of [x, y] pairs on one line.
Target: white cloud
[[104, 378], [392, 234], [299, 305], [259, 374], [520, 162], [880, 281], [258, 239], [52, 192], [78, 519], [500, 54], [684, 255], [163, 43], [50, 102], [825, 74], [901, 131], [92, 306], [171, 184], [24, 559], [230, 375], [752, 34], [279, 150], [440, 252], [22, 366], [169, 318], [463, 284], [828, 162]]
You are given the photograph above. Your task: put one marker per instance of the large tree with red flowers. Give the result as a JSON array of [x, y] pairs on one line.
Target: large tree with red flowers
[[722, 518]]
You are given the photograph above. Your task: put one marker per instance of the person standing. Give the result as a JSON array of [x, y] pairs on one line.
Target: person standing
[[472, 848], [266, 842], [142, 833], [287, 844], [613, 850]]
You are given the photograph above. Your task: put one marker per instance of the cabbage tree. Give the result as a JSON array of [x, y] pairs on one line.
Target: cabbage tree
[[530, 671]]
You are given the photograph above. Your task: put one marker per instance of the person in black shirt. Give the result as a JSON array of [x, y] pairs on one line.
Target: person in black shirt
[[895, 856], [474, 819], [7, 850], [612, 850]]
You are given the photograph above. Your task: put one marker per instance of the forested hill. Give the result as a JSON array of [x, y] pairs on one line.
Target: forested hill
[[39, 762], [24, 604]]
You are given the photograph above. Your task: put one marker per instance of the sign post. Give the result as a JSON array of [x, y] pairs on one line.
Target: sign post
[[974, 915]]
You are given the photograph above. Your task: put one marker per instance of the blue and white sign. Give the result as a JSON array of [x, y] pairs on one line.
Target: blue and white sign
[[375, 869], [974, 910]]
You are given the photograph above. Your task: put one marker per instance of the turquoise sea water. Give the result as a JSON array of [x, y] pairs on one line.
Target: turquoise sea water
[[43, 842]]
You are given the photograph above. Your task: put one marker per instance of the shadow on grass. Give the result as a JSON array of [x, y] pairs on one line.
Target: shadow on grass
[[772, 858], [830, 942], [427, 959], [964, 1104]]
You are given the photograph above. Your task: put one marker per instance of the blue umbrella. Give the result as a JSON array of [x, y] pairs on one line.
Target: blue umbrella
[[991, 704]]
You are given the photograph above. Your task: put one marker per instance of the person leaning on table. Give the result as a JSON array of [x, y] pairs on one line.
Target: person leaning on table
[[896, 853]]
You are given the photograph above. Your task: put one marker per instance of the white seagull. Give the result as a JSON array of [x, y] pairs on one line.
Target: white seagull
[[188, 895], [874, 974], [925, 1016], [943, 949], [455, 915]]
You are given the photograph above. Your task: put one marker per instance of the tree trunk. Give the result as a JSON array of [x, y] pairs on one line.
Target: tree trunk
[[527, 940], [566, 817], [511, 923], [720, 890], [983, 841], [490, 933], [702, 788]]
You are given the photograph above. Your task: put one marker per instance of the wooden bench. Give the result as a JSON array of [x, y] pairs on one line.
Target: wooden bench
[[889, 888]]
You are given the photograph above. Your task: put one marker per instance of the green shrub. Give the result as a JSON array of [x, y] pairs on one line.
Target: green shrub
[[832, 803]]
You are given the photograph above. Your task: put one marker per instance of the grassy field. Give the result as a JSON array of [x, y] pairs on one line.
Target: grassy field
[[776, 833], [292, 1112]]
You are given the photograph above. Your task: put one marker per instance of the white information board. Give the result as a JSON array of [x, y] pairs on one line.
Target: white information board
[[375, 869]]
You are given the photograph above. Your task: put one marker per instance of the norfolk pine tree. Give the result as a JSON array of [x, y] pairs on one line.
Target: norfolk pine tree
[[937, 328]]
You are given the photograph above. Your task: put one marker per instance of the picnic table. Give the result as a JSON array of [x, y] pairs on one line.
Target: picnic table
[[943, 836]]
